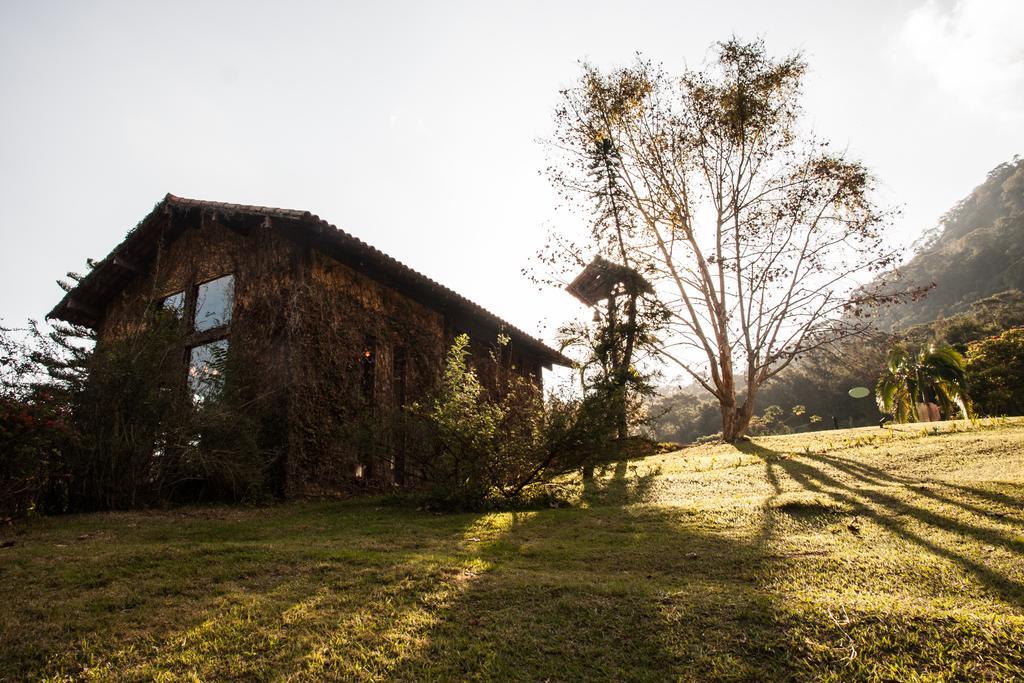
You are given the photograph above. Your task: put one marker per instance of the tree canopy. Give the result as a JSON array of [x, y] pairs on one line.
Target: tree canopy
[[756, 235]]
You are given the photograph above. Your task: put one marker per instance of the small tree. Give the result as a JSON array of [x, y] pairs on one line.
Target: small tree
[[41, 374], [467, 430], [932, 375], [613, 348], [756, 236]]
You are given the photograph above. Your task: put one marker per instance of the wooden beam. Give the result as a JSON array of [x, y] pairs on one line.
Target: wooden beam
[[206, 336], [128, 264], [186, 219], [241, 224], [88, 310], [178, 221]]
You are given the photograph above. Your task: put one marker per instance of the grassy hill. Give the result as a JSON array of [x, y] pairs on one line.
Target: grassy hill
[[855, 554]]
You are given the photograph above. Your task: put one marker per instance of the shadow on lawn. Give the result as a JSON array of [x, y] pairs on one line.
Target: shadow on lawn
[[618, 590], [612, 485], [613, 591], [210, 593], [610, 592], [626, 591], [923, 487], [886, 510]]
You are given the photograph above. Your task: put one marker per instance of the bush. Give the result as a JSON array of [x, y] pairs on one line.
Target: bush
[[995, 373], [146, 440], [114, 427], [34, 436], [494, 445], [35, 432], [772, 421]]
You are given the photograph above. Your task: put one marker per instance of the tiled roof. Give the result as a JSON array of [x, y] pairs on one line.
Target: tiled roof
[[82, 303]]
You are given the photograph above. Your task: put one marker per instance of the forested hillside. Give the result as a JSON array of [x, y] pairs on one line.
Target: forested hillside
[[977, 250]]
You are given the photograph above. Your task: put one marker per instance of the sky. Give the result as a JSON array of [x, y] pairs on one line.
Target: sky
[[416, 126]]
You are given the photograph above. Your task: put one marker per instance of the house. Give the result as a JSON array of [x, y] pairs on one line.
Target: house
[[336, 335]]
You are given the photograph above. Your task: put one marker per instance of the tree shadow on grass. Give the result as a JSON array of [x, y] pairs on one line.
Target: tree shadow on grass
[[646, 592], [141, 594], [923, 487], [620, 483], [997, 497], [611, 592], [557, 594], [633, 591], [619, 590], [886, 511]]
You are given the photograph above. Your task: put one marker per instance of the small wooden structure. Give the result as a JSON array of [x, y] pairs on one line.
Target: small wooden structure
[[598, 280]]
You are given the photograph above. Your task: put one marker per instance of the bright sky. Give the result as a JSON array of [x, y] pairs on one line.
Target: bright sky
[[415, 125]]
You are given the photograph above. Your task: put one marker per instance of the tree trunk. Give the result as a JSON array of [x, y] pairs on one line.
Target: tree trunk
[[627, 362], [730, 423], [735, 420]]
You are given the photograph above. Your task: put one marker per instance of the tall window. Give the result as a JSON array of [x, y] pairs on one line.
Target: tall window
[[398, 361], [213, 303], [208, 307], [398, 375], [206, 369]]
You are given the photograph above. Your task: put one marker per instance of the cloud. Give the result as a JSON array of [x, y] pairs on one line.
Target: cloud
[[971, 49]]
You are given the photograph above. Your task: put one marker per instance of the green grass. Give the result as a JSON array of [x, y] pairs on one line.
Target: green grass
[[846, 555]]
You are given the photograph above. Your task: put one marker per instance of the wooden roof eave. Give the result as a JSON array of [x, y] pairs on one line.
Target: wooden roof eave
[[86, 301]]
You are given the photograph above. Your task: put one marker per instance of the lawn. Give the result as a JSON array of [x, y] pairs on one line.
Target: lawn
[[856, 554]]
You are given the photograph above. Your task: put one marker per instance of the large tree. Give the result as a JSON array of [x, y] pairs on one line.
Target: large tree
[[756, 235]]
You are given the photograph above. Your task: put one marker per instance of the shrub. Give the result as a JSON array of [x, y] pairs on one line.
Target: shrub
[[114, 427], [493, 445], [34, 436], [35, 433], [146, 439], [995, 373]]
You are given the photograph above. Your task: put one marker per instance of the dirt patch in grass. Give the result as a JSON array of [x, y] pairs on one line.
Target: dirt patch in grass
[[815, 513]]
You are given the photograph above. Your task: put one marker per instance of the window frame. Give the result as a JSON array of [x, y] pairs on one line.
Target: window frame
[[368, 371], [191, 337], [195, 304], [161, 303]]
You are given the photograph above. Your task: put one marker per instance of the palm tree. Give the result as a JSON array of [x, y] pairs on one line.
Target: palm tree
[[933, 375]]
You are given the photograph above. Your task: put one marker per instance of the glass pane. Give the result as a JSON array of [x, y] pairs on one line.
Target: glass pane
[[213, 303], [174, 303], [206, 369]]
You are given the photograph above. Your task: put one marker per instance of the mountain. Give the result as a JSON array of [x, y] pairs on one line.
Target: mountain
[[976, 251]]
